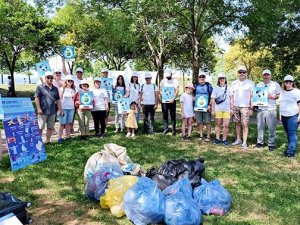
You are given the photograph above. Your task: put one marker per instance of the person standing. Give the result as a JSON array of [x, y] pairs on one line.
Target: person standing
[[242, 105], [148, 100], [104, 74], [222, 108], [78, 78], [290, 113], [168, 81], [204, 118], [46, 95], [119, 116], [100, 107], [266, 115]]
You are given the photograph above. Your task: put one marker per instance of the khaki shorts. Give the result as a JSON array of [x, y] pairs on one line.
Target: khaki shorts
[[241, 114], [202, 117], [46, 119], [222, 115]]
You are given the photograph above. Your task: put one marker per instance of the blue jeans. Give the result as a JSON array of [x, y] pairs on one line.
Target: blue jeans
[[290, 125]]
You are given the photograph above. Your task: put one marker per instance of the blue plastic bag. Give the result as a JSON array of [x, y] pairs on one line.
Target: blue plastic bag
[[212, 198], [181, 209], [144, 203], [98, 180]]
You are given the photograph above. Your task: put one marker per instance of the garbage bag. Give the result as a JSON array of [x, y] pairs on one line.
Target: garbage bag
[[144, 203], [113, 198], [181, 208], [212, 198], [97, 182]]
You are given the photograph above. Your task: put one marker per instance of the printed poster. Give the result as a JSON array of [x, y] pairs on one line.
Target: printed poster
[[117, 94], [86, 100], [24, 141], [123, 105], [42, 68], [201, 103], [68, 53], [168, 94], [260, 96], [107, 83]]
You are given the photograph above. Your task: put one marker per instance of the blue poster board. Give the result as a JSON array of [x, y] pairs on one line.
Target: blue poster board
[[68, 53], [123, 105], [86, 100], [107, 83], [201, 103], [117, 94], [42, 67], [260, 96], [167, 94], [24, 141]]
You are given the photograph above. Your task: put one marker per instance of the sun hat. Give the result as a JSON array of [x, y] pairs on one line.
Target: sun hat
[[104, 70], [289, 77], [242, 68], [69, 77], [221, 75], [135, 74], [266, 72], [83, 82], [79, 69], [97, 79], [189, 85]]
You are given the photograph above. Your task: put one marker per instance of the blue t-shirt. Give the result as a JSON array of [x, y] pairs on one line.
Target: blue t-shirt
[[204, 89]]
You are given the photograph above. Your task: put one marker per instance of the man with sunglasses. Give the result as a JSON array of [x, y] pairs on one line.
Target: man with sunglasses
[[266, 115], [169, 82], [242, 105], [46, 96], [78, 78]]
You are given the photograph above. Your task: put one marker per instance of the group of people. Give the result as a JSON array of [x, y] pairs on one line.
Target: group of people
[[60, 97]]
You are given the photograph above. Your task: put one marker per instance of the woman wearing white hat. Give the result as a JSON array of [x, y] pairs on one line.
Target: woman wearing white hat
[[222, 108], [290, 113], [67, 94]]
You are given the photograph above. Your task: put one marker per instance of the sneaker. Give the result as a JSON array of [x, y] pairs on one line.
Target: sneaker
[[207, 139], [128, 134], [225, 142], [60, 140], [271, 148], [200, 138], [244, 146], [289, 155], [217, 141], [117, 130], [174, 132], [237, 142], [258, 145], [166, 131], [183, 138], [101, 136], [133, 135], [189, 139]]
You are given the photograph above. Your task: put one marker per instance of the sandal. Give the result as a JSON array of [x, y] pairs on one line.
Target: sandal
[[200, 138], [207, 139]]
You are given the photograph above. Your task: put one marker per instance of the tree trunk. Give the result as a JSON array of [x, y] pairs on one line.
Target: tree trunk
[[196, 62], [29, 80], [13, 90]]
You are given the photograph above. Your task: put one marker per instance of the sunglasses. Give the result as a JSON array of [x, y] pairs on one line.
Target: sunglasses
[[71, 81], [49, 78], [266, 74], [148, 78], [288, 81], [201, 77], [58, 73], [97, 81], [242, 72], [222, 78]]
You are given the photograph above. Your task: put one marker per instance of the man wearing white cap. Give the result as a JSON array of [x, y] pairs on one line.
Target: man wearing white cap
[[46, 96], [78, 78], [242, 105], [267, 114], [169, 82], [148, 100], [104, 74]]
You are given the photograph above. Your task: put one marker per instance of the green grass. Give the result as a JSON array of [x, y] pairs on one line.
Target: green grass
[[264, 186]]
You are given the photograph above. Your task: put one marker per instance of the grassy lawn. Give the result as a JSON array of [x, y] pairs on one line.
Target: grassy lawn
[[265, 187]]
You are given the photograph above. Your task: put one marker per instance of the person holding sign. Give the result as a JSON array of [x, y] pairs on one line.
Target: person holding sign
[[67, 94], [203, 91], [290, 113], [242, 105], [222, 108], [100, 107], [46, 95], [118, 93], [84, 112], [267, 114], [168, 89], [148, 100], [104, 74]]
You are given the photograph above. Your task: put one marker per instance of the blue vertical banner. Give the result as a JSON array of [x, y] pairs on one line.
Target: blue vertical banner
[[24, 141], [167, 94], [201, 103], [123, 105], [260, 96], [42, 68], [68, 53]]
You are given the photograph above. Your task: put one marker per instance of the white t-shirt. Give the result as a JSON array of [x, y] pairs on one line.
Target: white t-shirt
[[76, 83], [148, 94], [188, 108], [273, 89], [219, 91], [242, 92], [99, 96], [67, 101], [289, 102], [133, 92], [169, 83]]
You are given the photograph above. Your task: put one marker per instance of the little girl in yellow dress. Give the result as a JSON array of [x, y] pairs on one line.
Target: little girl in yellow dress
[[131, 123]]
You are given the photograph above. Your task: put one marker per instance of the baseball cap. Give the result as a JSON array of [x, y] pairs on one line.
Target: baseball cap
[[84, 81], [201, 73], [69, 77], [266, 72], [167, 73], [134, 74], [97, 79], [242, 68], [48, 73], [79, 69], [56, 70], [148, 75], [221, 75], [289, 77], [104, 70]]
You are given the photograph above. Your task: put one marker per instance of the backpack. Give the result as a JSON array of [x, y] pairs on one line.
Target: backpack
[[143, 87]]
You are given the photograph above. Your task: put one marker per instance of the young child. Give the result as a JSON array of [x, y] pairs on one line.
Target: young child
[[131, 123], [187, 111]]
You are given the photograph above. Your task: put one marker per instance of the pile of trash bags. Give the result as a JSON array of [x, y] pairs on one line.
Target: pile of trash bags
[[170, 171], [176, 193]]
